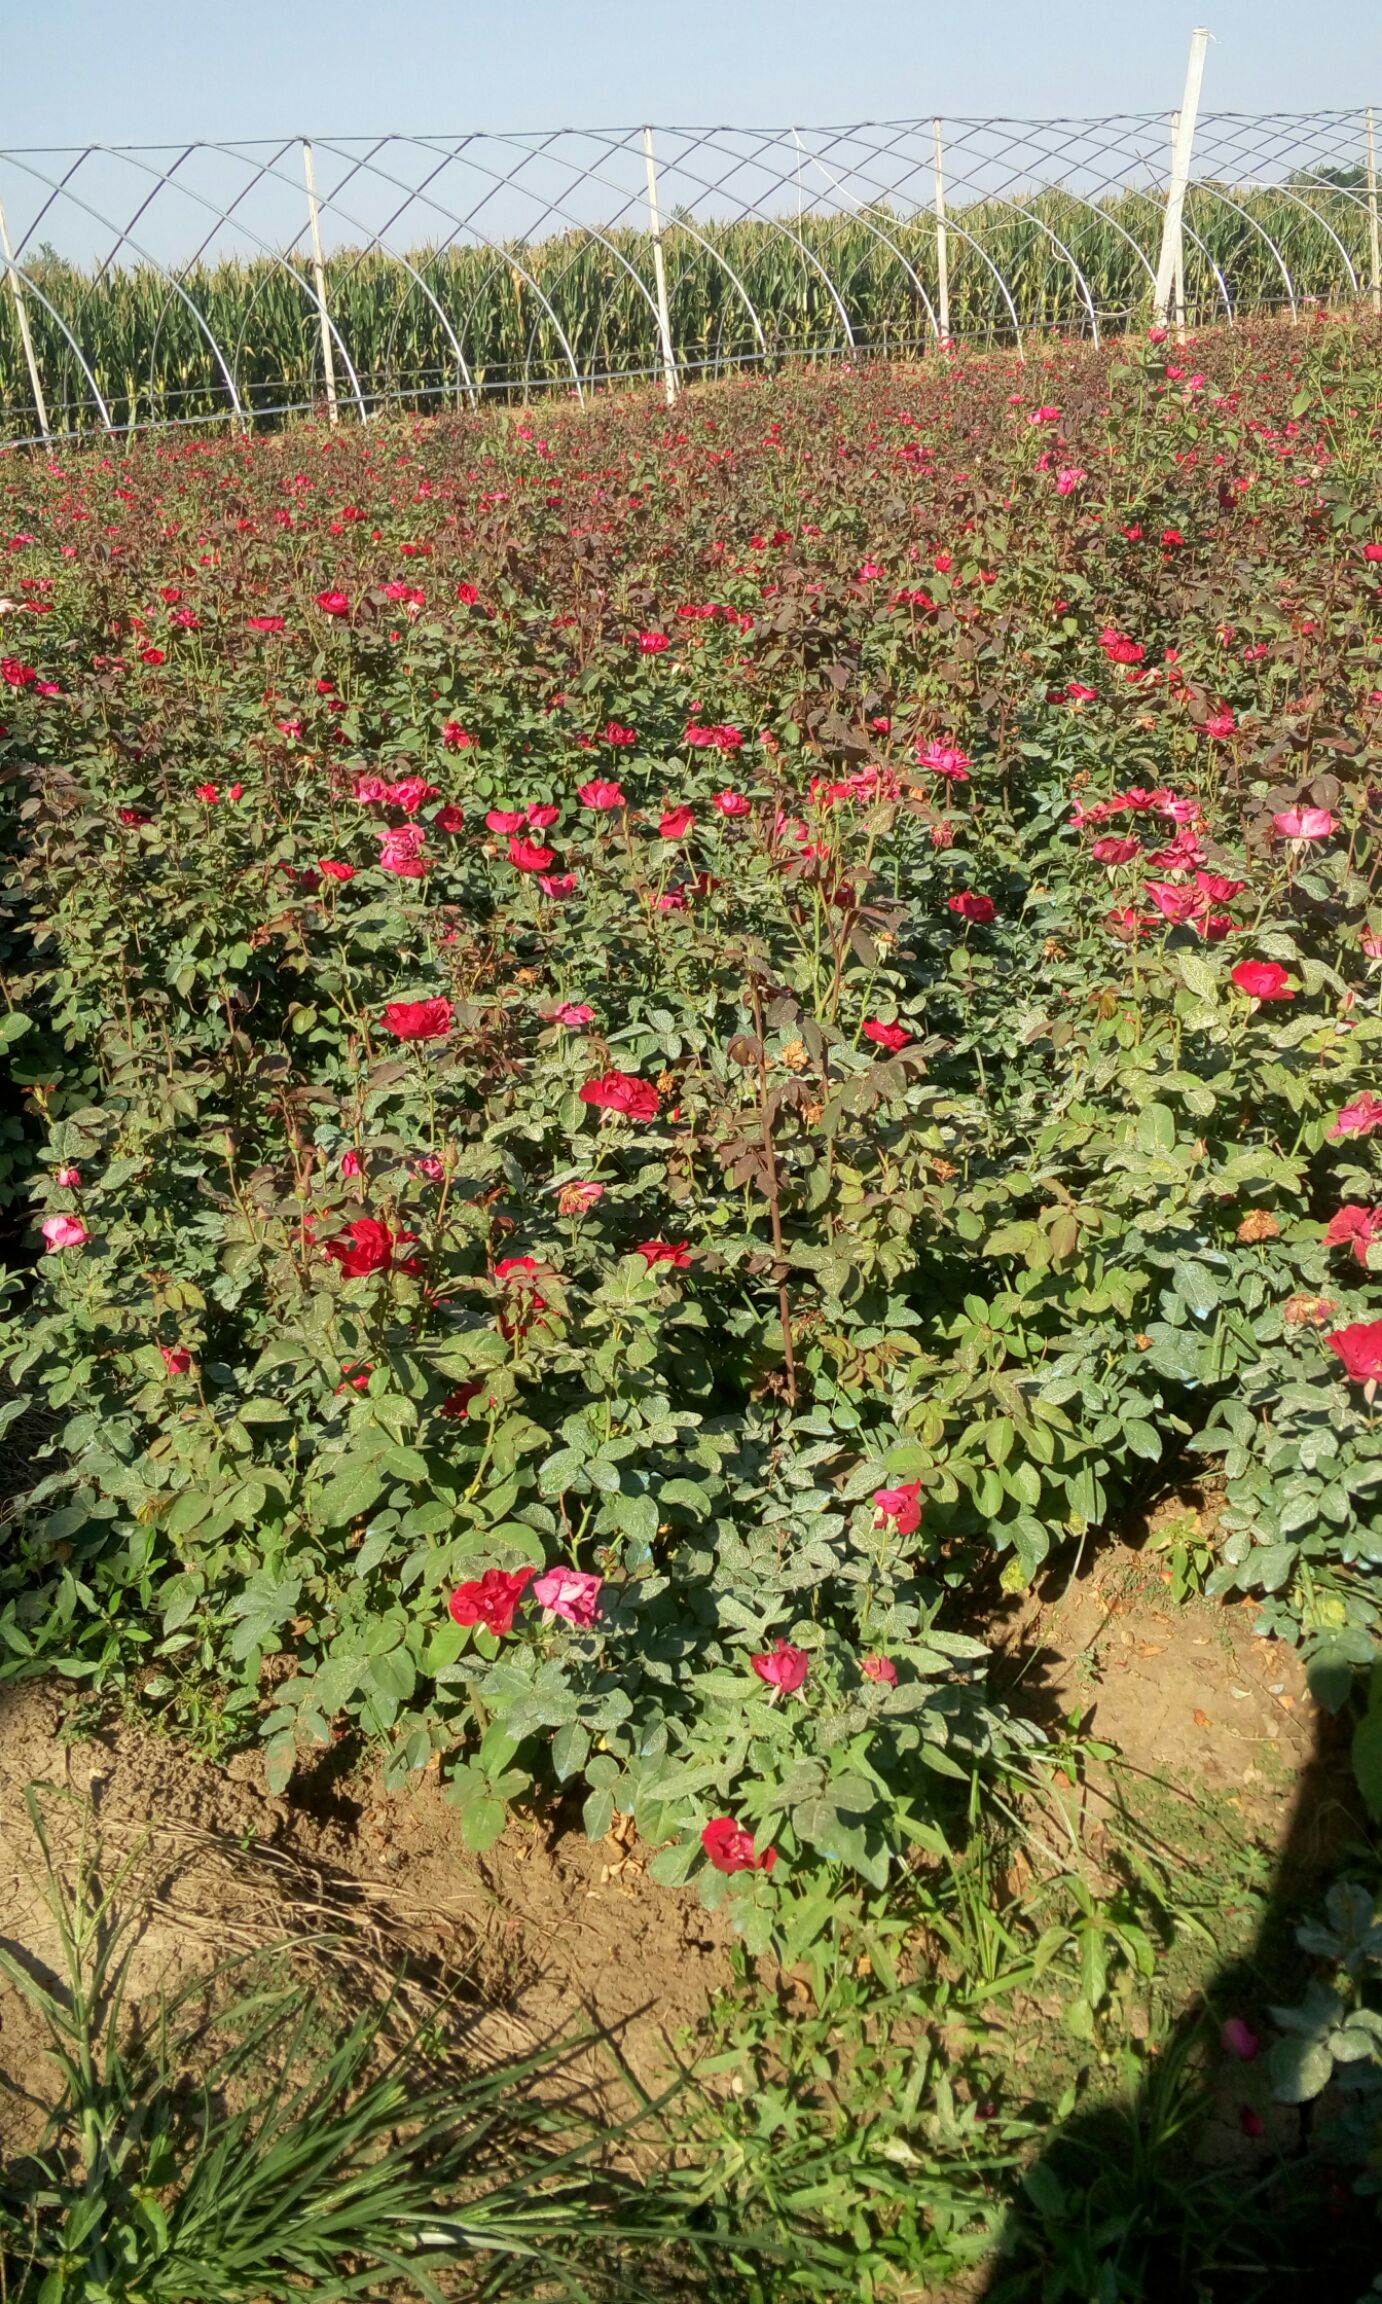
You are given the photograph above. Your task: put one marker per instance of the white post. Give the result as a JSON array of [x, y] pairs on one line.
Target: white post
[[328, 357], [1178, 285], [1375, 254], [942, 237], [664, 317], [1172, 243], [22, 316]]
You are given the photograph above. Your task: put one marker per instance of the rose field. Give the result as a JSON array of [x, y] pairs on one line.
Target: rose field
[[667, 1069]]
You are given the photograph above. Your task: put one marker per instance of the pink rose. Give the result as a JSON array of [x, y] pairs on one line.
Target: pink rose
[[945, 760], [881, 1669], [1304, 823], [1360, 1117], [400, 852], [69, 1178], [573, 1013], [570, 1594], [63, 1232], [1238, 2039]]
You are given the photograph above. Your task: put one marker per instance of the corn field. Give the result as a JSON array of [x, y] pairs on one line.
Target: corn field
[[448, 323]]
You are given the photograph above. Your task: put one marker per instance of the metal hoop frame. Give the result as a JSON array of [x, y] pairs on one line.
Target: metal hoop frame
[[509, 204]]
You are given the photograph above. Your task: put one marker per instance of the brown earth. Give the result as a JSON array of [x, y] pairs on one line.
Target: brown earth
[[544, 1936], [550, 1934]]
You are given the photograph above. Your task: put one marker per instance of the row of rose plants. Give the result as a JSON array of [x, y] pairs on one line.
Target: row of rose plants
[[658, 1049]]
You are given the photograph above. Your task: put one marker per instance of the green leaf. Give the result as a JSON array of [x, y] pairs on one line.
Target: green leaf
[[1300, 2069], [1143, 1439], [570, 1747], [598, 1814], [482, 1822], [356, 1485]]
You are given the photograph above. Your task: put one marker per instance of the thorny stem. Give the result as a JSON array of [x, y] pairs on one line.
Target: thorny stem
[[773, 1189]]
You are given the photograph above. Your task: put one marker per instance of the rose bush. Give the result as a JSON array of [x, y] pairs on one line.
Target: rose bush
[[585, 1280]]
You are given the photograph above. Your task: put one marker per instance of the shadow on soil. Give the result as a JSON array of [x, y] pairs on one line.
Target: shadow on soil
[[1195, 2188]]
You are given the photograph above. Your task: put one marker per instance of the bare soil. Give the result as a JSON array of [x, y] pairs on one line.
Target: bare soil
[[545, 1937], [549, 1934]]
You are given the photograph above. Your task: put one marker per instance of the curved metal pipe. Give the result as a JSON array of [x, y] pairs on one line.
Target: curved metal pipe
[[126, 239], [32, 288]]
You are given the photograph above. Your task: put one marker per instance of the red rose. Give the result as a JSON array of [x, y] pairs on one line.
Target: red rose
[[730, 1848], [676, 1252], [330, 871], [980, 909], [1177, 904], [456, 738], [1114, 851], [418, 1019], [334, 603], [880, 1668], [623, 1092], [601, 794], [900, 1505], [784, 1667], [491, 1599], [1263, 980], [886, 1035], [505, 820], [1354, 1227], [368, 1246], [528, 857], [676, 823], [1360, 1349]]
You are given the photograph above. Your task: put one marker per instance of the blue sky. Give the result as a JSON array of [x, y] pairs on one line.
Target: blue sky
[[79, 71]]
